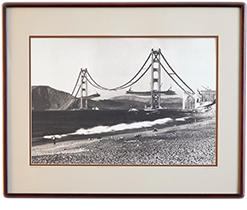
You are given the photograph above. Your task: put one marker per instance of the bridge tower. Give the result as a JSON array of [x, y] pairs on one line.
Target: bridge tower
[[84, 89], [155, 79]]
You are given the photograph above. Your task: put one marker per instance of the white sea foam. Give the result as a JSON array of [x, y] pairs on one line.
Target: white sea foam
[[120, 127], [56, 136], [113, 128], [180, 119]]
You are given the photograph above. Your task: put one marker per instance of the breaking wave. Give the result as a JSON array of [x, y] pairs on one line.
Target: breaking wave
[[113, 128], [122, 126]]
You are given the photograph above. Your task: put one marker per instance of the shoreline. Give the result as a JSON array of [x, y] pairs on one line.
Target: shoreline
[[183, 144], [64, 122], [73, 136]]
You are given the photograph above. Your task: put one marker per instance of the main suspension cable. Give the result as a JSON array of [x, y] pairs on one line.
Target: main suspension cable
[[135, 80], [132, 81], [78, 91], [91, 82], [171, 76], [176, 73], [124, 85], [174, 80], [120, 87], [76, 82], [98, 86]]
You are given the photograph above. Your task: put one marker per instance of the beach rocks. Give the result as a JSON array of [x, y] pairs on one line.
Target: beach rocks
[[192, 144], [155, 130]]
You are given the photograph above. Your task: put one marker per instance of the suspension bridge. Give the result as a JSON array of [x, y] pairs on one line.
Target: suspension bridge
[[155, 62]]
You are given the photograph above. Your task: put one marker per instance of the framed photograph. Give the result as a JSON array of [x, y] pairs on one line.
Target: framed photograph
[[124, 99]]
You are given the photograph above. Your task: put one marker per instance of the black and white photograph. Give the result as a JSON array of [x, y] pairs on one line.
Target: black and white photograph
[[123, 101]]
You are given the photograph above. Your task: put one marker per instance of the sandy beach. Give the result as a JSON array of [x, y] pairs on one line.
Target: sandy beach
[[185, 144]]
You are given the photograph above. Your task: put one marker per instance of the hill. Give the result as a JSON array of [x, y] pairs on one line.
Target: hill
[[47, 98], [171, 102]]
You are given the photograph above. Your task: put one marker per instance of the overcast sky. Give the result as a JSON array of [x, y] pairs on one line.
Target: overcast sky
[[56, 62]]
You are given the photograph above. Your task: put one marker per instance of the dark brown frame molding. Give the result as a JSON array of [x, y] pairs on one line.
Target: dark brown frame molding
[[242, 7]]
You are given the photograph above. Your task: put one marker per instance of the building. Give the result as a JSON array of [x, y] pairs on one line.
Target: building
[[191, 102], [207, 95]]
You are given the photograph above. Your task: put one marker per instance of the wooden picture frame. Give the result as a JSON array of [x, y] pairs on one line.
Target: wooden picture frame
[[20, 177]]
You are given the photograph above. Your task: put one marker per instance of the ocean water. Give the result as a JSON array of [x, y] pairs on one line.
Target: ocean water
[[60, 123], [119, 127]]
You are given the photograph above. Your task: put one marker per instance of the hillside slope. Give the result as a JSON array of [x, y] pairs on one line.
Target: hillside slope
[[47, 98], [172, 102]]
